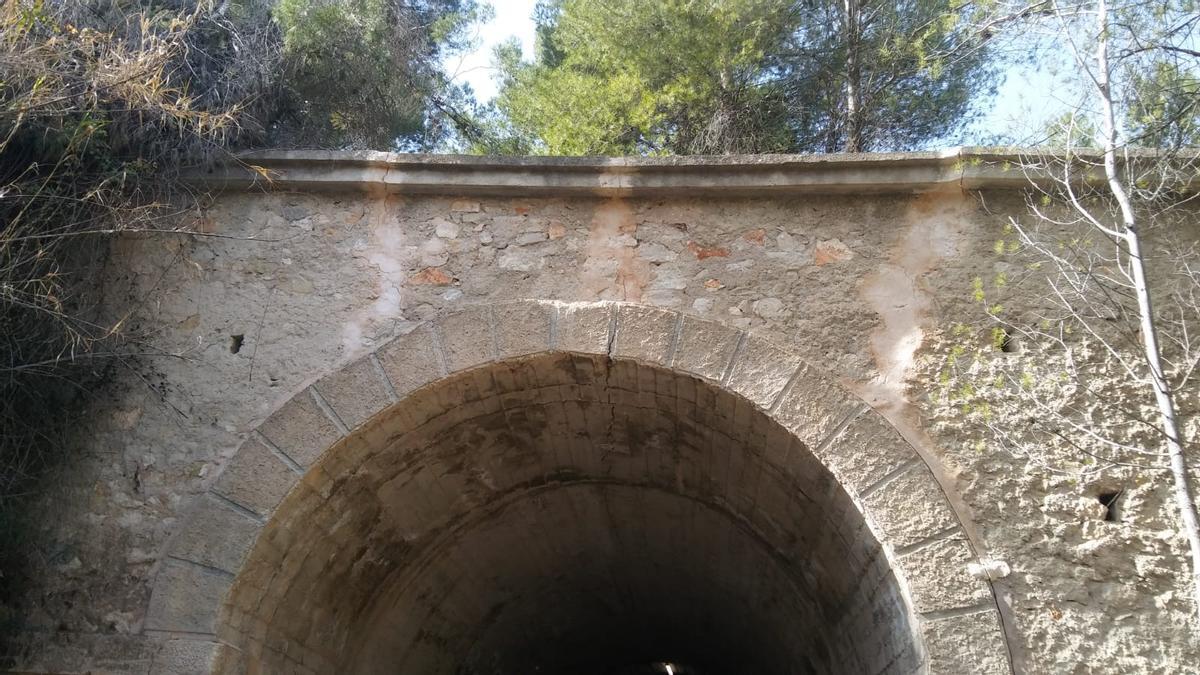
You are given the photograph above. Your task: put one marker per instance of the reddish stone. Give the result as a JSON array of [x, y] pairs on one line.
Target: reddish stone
[[431, 276], [831, 251], [755, 236], [702, 252]]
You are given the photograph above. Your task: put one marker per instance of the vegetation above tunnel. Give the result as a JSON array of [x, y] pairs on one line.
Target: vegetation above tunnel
[[749, 76]]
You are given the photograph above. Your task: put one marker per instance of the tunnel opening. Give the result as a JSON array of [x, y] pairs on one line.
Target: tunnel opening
[[567, 513]]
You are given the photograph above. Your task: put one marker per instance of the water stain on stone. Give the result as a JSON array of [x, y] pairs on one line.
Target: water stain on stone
[[898, 292], [611, 268]]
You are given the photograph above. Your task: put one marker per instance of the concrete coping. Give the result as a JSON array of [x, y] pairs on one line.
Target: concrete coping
[[730, 176]]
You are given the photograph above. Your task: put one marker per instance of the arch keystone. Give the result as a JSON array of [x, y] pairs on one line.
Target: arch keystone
[[585, 328], [523, 327], [644, 334]]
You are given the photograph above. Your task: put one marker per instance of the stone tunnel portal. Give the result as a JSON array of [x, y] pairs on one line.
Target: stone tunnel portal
[[569, 513]]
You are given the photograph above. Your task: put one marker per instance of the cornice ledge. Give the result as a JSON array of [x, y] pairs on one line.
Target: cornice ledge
[[969, 168]]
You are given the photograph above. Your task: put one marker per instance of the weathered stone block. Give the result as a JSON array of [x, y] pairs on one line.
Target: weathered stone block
[[355, 393], [911, 507], [192, 657], [584, 328], [938, 576], [410, 361], [970, 644], [122, 654], [255, 478], [186, 598], [644, 333], [814, 406], [301, 429], [761, 371], [869, 449], [705, 348], [467, 339], [522, 328], [214, 534]]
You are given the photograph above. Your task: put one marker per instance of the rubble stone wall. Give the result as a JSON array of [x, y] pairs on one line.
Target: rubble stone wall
[[397, 415]]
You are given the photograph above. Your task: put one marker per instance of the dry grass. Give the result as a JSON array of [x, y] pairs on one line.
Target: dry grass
[[99, 111]]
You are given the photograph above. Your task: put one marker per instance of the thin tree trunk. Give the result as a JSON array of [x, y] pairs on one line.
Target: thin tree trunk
[[1137, 271], [853, 77]]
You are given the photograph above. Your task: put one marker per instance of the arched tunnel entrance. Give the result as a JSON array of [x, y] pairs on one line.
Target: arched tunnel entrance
[[569, 513]]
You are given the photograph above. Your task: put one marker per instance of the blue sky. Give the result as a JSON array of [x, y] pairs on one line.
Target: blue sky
[[1025, 99], [513, 18]]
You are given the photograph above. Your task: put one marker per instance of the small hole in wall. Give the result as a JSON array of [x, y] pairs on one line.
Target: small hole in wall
[[235, 343], [1008, 344], [1111, 501]]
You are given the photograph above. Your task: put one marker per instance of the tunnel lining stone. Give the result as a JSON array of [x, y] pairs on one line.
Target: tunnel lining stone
[[190, 593]]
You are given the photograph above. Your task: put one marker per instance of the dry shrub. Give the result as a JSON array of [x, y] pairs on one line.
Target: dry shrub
[[96, 121], [103, 105]]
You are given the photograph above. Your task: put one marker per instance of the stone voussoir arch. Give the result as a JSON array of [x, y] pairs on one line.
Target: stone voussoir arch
[[954, 613]]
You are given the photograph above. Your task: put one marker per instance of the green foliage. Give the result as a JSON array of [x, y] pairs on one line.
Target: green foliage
[[364, 73], [701, 76], [1071, 130], [1154, 81], [670, 76], [922, 67], [999, 337], [1157, 72], [1164, 108]]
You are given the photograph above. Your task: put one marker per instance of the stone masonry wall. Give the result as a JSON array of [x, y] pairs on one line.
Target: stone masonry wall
[[282, 287]]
